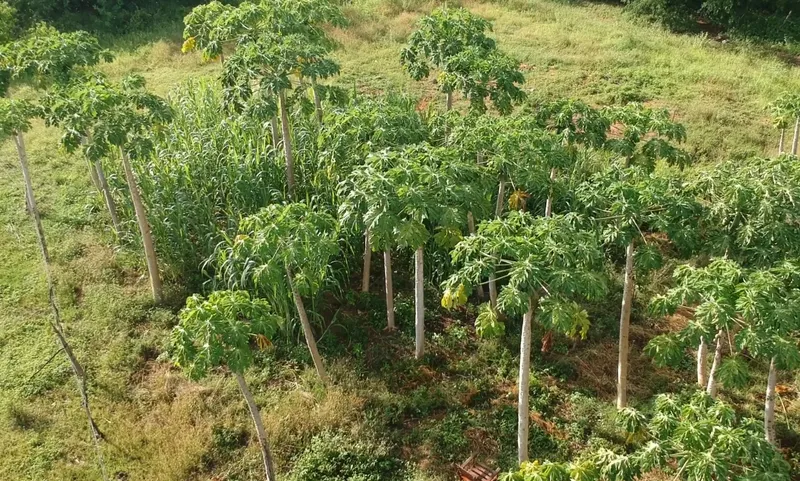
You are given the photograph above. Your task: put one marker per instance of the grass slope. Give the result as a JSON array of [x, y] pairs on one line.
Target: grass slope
[[160, 427]]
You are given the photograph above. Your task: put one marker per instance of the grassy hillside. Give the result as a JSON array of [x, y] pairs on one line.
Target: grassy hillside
[[158, 426]]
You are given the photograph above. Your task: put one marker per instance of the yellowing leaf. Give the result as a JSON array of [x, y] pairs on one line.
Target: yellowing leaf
[[189, 45]]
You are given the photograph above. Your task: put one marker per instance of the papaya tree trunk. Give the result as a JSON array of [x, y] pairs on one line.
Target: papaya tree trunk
[[317, 100], [307, 332], [266, 452], [387, 273], [92, 169], [702, 363], [55, 322], [548, 208], [419, 303], [449, 101], [287, 144], [769, 404], [273, 125], [107, 197], [367, 263], [144, 229], [498, 211], [711, 387], [523, 411], [781, 141], [796, 137], [624, 329], [547, 339], [471, 227]]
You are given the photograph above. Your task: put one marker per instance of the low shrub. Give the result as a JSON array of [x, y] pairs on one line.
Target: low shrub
[[336, 457]]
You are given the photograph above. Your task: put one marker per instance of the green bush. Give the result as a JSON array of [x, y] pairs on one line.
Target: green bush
[[335, 457]]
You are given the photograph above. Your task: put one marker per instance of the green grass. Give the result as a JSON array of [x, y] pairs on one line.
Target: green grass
[[161, 427]]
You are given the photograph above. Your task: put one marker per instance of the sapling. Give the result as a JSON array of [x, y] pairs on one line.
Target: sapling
[[217, 333], [284, 249]]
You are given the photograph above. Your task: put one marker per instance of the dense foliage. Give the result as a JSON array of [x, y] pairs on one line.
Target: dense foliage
[[538, 203]]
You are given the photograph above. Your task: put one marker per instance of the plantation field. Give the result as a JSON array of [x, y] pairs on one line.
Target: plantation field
[[411, 419]]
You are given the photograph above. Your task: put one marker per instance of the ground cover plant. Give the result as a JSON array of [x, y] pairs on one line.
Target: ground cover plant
[[589, 261]]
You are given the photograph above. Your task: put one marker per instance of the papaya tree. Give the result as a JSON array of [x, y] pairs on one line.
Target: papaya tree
[[407, 197], [710, 294], [208, 28], [15, 118], [769, 305], [549, 264], [752, 214], [120, 121], [219, 333], [282, 249], [641, 213], [514, 151], [575, 124], [274, 40], [45, 57], [758, 308], [365, 126], [622, 199], [453, 41]]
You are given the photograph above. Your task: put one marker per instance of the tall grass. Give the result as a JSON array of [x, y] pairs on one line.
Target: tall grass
[[211, 169]]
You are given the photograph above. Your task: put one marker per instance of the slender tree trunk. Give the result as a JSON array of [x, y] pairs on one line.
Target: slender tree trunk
[[498, 211], [107, 197], [317, 100], [92, 169], [702, 363], [548, 208], [796, 137], [523, 411], [273, 125], [307, 332], [95, 177], [28, 207], [781, 141], [144, 229], [55, 323], [547, 339], [769, 404], [287, 144], [100, 181], [449, 101], [419, 303], [624, 329], [367, 263], [263, 442], [711, 387], [387, 274], [471, 228]]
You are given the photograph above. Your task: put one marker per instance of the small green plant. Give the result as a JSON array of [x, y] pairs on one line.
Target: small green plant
[[336, 457]]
